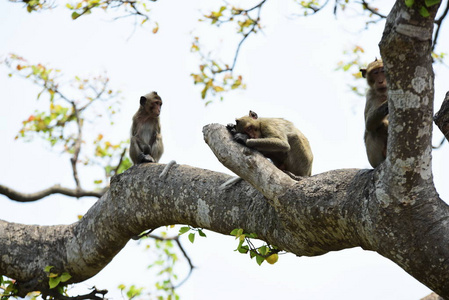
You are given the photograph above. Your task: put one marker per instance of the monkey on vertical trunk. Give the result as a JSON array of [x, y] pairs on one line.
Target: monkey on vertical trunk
[[376, 113], [146, 139], [277, 139]]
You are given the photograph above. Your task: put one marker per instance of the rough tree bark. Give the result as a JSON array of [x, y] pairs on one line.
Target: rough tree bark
[[393, 210]]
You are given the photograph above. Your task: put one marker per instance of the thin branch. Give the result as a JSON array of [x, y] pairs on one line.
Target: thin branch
[[94, 295], [438, 23], [56, 189], [176, 239], [77, 146], [245, 36], [372, 10], [120, 161], [178, 242]]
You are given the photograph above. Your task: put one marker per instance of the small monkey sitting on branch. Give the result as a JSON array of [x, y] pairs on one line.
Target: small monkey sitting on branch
[[277, 139], [376, 113], [146, 139]]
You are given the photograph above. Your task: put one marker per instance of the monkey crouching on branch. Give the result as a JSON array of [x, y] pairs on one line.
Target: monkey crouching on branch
[[146, 139], [277, 139], [376, 113]]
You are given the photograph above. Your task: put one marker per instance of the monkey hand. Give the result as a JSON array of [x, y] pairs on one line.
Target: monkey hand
[[231, 128], [145, 158], [241, 138], [384, 108]]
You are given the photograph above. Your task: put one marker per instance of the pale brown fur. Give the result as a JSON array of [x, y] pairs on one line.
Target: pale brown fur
[[376, 113], [280, 141], [146, 139]]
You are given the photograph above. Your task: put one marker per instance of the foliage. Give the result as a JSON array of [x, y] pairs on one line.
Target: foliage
[[165, 267], [186, 229], [132, 292], [423, 9], [63, 122], [55, 280], [8, 287], [351, 64], [266, 252]]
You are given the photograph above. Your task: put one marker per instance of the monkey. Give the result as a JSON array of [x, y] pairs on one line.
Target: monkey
[[146, 139], [376, 113], [277, 139]]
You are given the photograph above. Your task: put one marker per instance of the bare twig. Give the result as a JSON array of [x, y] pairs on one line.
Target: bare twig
[[176, 239], [438, 23], [94, 295], [372, 10], [245, 35], [120, 161], [77, 146], [56, 189]]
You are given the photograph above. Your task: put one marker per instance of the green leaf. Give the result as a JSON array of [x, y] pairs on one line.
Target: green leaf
[[65, 276], [263, 250], [47, 268], [409, 3], [201, 233], [430, 3], [243, 249], [53, 282], [235, 231], [203, 92], [183, 230], [192, 237], [259, 259], [424, 12], [75, 15]]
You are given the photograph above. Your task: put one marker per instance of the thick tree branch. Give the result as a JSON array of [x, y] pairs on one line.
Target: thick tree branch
[[327, 212], [406, 43], [442, 117], [56, 189]]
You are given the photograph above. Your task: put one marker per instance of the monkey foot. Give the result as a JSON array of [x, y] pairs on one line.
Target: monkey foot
[[145, 158]]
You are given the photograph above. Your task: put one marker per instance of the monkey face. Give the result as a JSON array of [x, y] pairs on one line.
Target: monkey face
[[152, 104], [248, 126], [155, 109], [377, 80]]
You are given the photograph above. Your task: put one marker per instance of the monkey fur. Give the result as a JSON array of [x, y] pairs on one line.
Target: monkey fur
[[146, 139], [376, 113], [277, 139]]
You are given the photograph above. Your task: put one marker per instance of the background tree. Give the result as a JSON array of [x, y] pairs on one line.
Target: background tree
[[269, 103]]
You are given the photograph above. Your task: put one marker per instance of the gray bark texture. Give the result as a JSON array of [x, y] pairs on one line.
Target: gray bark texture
[[393, 209]]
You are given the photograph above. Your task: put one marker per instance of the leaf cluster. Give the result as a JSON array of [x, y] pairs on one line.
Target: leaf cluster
[[186, 229], [56, 280], [131, 292], [423, 9], [215, 78], [266, 252], [62, 123], [165, 266], [8, 288]]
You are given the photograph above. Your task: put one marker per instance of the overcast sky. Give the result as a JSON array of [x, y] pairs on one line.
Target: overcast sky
[[290, 72]]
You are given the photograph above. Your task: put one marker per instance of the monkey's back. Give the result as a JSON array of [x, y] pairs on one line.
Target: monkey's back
[[298, 158]]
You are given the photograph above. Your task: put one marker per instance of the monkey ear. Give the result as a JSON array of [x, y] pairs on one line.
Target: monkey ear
[[143, 100], [252, 114], [363, 72]]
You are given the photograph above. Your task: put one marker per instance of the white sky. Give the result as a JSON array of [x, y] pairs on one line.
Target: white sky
[[290, 73]]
